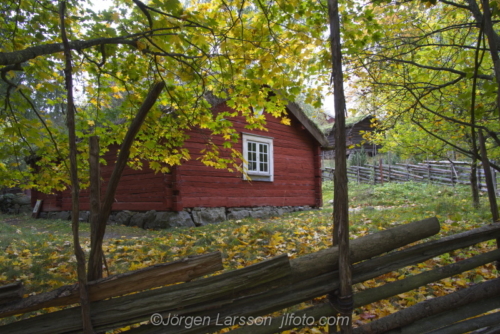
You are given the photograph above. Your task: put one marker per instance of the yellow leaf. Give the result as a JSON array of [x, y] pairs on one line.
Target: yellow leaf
[[141, 46]]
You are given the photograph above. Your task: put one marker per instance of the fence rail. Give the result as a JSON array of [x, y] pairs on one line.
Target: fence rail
[[279, 283], [441, 172]]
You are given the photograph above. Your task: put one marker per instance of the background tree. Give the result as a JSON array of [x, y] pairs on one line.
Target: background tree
[[432, 79], [237, 50]]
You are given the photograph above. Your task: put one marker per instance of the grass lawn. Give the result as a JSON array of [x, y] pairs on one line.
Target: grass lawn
[[40, 253]]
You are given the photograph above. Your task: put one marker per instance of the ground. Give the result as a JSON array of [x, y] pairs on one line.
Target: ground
[[39, 252]]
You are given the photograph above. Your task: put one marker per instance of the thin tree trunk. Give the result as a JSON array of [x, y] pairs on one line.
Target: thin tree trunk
[[343, 302], [95, 189], [492, 37], [80, 255], [474, 186], [473, 183], [96, 253], [488, 178]]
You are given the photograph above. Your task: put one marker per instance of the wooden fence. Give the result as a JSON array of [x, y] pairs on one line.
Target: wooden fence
[[441, 172], [251, 293]]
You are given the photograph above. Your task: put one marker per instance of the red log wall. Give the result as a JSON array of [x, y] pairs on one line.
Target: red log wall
[[138, 190], [297, 177]]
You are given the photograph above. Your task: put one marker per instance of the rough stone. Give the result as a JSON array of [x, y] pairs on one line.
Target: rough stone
[[238, 214], [123, 217], [22, 199], [137, 220], [170, 219], [84, 216], [15, 203], [204, 216], [149, 217], [64, 215], [261, 212], [276, 212]]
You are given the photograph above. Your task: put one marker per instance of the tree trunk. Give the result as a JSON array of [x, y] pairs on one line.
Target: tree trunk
[[488, 178], [70, 114], [96, 253], [473, 183], [492, 37], [342, 301], [95, 190]]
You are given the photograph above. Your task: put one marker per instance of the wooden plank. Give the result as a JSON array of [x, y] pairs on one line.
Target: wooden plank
[[431, 307], [158, 275], [139, 307], [11, 292], [140, 206]]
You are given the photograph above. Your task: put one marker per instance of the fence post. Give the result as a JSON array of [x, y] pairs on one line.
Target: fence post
[[429, 171], [408, 172], [374, 172], [389, 162], [381, 169], [451, 173]]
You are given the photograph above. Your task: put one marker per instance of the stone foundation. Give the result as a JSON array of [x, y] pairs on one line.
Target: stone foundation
[[190, 217], [15, 203]]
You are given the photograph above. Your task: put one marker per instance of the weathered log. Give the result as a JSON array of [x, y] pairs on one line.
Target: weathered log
[[371, 269], [364, 248], [158, 275], [139, 307], [391, 289], [440, 323], [304, 288], [11, 292], [433, 306], [424, 251], [495, 329], [320, 312], [303, 268]]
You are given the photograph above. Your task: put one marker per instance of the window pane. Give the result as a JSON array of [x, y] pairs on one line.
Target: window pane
[[252, 156], [263, 158]]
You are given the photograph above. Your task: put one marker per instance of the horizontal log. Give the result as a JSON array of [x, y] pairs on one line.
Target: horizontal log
[[375, 267], [422, 252], [369, 296], [255, 304], [364, 248], [283, 322], [431, 307], [495, 329], [183, 270], [11, 292], [304, 288], [140, 306], [440, 323]]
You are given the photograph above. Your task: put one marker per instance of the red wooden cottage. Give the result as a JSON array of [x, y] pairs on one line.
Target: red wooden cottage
[[284, 164]]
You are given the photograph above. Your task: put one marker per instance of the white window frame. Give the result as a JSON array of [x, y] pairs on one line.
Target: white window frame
[[257, 175]]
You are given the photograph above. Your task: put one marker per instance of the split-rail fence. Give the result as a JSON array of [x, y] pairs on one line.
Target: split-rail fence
[[204, 304], [440, 172]]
